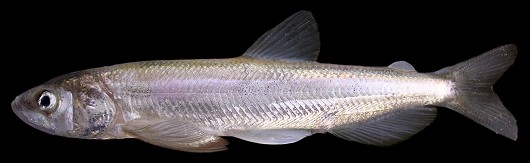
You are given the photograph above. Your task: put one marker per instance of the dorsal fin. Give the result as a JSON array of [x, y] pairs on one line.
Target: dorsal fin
[[295, 39]]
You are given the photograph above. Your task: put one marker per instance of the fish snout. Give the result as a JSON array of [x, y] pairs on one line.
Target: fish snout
[[17, 109], [28, 115]]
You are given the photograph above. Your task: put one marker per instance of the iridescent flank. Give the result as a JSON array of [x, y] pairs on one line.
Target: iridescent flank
[[244, 93]]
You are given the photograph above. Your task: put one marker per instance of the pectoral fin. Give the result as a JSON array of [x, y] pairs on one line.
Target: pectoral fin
[[175, 135]]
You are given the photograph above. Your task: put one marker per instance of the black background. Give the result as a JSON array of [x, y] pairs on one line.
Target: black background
[[47, 40]]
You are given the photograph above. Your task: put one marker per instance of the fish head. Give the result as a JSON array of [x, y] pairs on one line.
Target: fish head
[[47, 108], [69, 105]]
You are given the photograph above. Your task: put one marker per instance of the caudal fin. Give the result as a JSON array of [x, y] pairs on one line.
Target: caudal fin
[[475, 98]]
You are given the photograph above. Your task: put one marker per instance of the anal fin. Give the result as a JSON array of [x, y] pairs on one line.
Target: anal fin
[[388, 129], [175, 135]]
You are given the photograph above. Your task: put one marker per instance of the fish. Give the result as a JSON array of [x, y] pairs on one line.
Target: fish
[[275, 93]]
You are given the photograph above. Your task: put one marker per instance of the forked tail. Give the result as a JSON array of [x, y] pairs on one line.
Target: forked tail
[[475, 98]]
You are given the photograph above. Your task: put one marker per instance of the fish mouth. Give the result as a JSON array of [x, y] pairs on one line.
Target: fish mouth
[[22, 113], [17, 109]]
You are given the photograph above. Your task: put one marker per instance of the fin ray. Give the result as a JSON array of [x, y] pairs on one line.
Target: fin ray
[[475, 98], [271, 137], [175, 135], [295, 39], [390, 129]]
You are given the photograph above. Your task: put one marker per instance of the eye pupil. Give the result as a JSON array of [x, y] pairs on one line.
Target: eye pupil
[[45, 101]]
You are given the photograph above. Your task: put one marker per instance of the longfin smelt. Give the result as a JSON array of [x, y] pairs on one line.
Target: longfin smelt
[[388, 129], [295, 39], [271, 137], [175, 135], [475, 98]]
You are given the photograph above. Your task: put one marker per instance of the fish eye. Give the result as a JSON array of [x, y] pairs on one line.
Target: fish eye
[[47, 101]]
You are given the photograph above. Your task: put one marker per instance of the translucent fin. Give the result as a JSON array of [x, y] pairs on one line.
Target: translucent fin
[[474, 81], [295, 39], [175, 135], [389, 129], [271, 137], [402, 65]]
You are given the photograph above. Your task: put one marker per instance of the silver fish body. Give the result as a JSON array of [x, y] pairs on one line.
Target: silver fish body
[[274, 94], [243, 93]]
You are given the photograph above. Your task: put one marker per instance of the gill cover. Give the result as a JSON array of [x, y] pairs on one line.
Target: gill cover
[[94, 109]]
